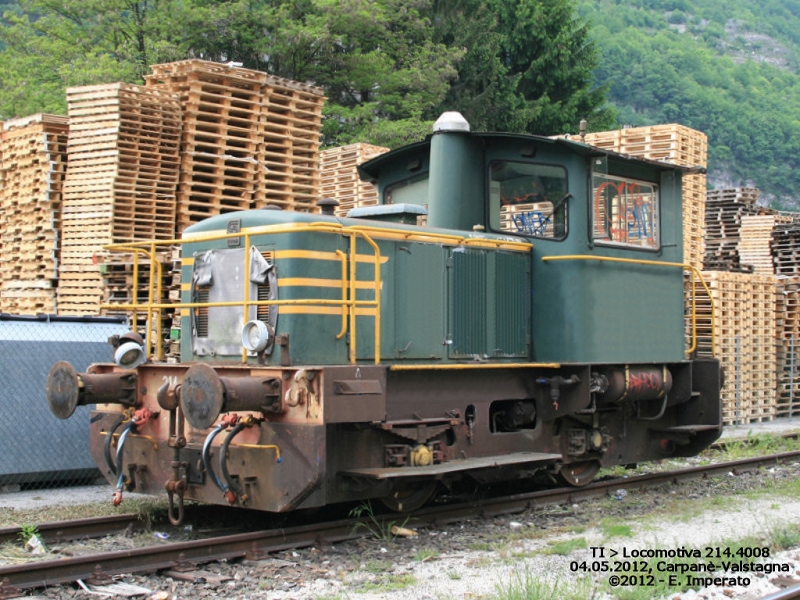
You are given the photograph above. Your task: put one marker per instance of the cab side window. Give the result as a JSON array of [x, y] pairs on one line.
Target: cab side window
[[625, 212], [528, 199], [413, 190]]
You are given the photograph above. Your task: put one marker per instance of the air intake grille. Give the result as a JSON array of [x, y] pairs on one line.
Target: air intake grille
[[201, 318]]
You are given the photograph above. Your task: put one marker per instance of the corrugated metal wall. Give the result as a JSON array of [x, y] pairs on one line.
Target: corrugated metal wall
[[36, 447]]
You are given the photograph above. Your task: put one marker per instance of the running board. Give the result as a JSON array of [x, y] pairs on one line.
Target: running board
[[682, 433], [533, 459], [683, 429]]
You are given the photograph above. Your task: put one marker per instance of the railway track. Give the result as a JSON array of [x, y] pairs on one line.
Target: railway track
[[186, 555], [791, 593], [64, 531]]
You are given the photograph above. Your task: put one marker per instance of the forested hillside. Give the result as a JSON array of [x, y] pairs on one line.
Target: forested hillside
[[725, 67]]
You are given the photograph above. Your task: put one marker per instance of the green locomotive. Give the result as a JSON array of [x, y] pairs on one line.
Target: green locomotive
[[535, 322]]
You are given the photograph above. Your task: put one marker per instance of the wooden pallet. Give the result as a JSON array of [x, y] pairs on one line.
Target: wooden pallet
[[124, 138], [755, 242], [786, 249], [724, 213], [671, 142], [787, 303], [124, 158], [291, 118]]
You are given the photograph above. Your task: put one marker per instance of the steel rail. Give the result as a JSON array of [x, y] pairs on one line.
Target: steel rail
[[256, 545], [153, 558], [790, 593], [63, 531], [528, 500]]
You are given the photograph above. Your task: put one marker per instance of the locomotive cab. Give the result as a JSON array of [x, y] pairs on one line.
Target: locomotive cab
[[514, 304]]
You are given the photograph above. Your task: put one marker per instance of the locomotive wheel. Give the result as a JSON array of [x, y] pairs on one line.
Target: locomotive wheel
[[409, 497], [579, 474]]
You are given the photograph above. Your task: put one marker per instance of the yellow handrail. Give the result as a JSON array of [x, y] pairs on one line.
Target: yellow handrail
[[685, 266], [343, 331], [382, 232], [377, 301], [348, 301], [150, 254]]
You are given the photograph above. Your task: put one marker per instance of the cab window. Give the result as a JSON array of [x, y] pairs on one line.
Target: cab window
[[625, 212], [528, 199], [413, 190]]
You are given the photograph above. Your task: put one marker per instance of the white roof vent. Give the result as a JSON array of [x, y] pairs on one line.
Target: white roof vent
[[451, 121]]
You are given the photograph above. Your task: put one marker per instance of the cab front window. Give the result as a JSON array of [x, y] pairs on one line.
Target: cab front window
[[528, 199]]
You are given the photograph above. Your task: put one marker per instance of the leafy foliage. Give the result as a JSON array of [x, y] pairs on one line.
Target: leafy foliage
[[728, 68], [388, 67], [52, 45], [528, 65], [549, 51]]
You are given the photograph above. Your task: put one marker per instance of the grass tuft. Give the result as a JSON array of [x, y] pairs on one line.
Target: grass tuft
[[526, 586], [565, 547]]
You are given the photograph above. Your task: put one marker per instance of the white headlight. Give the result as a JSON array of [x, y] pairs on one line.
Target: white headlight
[[129, 355], [255, 336]]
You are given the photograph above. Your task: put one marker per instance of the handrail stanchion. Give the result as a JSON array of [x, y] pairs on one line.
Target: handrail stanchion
[[345, 308]]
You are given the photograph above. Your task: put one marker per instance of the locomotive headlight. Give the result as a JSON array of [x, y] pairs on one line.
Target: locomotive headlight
[[255, 336], [129, 355]]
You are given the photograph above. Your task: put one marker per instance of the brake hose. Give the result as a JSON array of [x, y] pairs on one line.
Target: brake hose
[[107, 446]]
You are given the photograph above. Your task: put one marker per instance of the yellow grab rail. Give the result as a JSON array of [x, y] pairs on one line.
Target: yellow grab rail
[[155, 275], [349, 303], [693, 270]]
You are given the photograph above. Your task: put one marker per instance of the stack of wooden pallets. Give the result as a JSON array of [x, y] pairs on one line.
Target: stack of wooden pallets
[[339, 176], [725, 210], [291, 119], [745, 236], [672, 143], [34, 153], [786, 249], [123, 154], [676, 144], [787, 305], [249, 139], [786, 260], [744, 323]]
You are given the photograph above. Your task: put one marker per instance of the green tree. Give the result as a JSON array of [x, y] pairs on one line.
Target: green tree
[[527, 68], [377, 60], [485, 92], [55, 44], [549, 49]]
